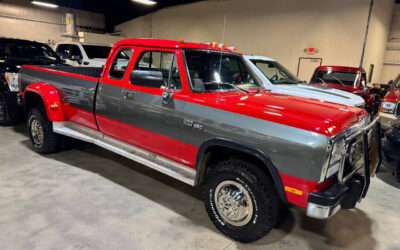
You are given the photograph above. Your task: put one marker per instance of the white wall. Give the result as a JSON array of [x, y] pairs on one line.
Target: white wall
[[280, 29], [16, 21]]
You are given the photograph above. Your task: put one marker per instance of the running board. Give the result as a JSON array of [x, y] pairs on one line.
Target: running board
[[147, 158]]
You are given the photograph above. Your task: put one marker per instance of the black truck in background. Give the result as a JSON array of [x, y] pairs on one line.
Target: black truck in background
[[13, 54]]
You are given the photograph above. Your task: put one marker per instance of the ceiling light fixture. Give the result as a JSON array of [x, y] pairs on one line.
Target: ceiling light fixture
[[45, 4], [146, 2]]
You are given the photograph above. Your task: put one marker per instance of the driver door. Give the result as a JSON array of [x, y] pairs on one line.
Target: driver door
[[148, 122]]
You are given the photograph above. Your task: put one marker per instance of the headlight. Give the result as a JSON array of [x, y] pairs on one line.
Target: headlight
[[12, 80], [388, 107], [336, 157]]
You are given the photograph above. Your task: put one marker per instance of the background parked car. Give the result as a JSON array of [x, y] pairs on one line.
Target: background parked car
[[390, 106], [350, 79], [278, 79], [83, 54], [13, 54]]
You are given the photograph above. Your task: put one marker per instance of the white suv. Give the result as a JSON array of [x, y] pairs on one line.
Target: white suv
[[278, 79], [83, 54]]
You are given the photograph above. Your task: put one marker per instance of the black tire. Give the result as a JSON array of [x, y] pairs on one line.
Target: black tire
[[50, 141], [256, 185], [8, 111]]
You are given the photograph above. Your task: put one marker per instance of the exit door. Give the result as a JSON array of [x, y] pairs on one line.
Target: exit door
[[306, 67]]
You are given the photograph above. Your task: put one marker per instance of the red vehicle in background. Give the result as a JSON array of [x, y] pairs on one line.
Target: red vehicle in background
[[390, 107], [350, 79]]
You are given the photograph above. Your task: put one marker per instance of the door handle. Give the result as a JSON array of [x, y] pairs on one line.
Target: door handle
[[127, 94]]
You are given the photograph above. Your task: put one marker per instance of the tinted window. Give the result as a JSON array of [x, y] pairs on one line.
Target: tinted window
[[276, 73], [397, 85], [95, 51], [165, 62], [33, 51], [63, 50], [75, 52], [335, 77], [120, 63]]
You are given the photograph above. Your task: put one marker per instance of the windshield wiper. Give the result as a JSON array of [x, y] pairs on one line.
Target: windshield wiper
[[338, 80], [322, 81]]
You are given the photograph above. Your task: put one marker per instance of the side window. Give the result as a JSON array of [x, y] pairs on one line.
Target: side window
[[163, 62], [363, 80], [63, 50], [75, 52], [397, 85], [120, 63]]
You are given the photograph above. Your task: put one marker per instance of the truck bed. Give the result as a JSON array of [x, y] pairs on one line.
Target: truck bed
[[86, 71]]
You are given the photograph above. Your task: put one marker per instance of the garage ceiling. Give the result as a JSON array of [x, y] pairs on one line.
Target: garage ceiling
[[119, 11]]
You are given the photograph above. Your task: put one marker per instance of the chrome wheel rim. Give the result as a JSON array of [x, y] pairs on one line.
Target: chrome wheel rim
[[233, 203], [37, 132], [1, 112]]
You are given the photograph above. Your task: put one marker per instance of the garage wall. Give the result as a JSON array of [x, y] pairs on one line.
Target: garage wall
[[279, 29], [20, 19], [378, 36]]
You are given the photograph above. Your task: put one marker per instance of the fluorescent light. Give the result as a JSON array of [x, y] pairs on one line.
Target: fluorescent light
[[44, 4], [146, 2]]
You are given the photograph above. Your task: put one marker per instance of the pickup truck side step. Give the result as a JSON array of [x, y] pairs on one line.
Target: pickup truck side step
[[156, 162]]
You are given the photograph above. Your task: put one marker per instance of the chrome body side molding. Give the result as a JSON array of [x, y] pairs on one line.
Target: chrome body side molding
[[156, 162]]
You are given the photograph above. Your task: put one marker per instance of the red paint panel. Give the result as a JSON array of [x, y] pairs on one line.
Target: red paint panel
[[50, 96], [305, 186], [61, 73], [80, 116], [150, 141]]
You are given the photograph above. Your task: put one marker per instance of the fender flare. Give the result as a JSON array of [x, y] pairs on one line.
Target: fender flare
[[50, 97], [270, 167]]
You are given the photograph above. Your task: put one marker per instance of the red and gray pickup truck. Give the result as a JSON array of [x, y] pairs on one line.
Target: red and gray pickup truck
[[198, 114], [350, 79]]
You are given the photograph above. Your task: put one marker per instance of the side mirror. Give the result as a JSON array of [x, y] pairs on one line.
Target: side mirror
[[147, 78]]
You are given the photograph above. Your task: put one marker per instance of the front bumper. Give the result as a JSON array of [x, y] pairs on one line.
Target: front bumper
[[352, 185], [386, 120]]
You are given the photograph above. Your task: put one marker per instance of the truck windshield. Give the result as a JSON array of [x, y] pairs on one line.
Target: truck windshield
[[97, 51], [27, 51], [335, 77], [217, 71], [275, 72]]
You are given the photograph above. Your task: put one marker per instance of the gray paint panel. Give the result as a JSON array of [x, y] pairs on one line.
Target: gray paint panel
[[79, 92]]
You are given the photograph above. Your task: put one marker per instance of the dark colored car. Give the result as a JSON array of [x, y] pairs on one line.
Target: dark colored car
[[13, 54], [391, 149], [350, 79]]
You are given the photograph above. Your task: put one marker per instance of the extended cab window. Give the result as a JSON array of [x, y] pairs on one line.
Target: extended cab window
[[120, 63], [164, 62]]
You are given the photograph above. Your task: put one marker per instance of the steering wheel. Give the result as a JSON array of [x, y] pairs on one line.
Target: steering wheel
[[236, 78], [274, 78]]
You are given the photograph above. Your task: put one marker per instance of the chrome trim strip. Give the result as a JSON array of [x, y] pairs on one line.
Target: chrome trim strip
[[142, 156]]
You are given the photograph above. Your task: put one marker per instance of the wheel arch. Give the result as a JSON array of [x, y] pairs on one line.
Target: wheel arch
[[208, 148], [46, 95]]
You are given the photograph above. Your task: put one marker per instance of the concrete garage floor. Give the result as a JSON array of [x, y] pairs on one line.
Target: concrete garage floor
[[89, 198]]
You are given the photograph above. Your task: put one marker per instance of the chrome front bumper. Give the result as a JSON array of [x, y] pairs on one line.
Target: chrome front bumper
[[353, 183]]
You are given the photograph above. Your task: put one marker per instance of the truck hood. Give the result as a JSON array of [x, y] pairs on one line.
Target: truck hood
[[392, 96], [309, 114]]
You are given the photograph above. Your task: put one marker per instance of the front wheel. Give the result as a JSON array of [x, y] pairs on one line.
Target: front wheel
[[43, 139], [241, 200]]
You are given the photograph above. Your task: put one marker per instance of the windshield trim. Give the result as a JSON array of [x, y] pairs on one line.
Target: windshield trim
[[250, 70]]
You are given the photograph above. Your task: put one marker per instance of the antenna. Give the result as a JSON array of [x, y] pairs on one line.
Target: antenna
[[220, 59]]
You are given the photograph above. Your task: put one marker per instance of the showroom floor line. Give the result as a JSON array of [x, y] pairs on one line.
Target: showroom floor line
[[89, 198]]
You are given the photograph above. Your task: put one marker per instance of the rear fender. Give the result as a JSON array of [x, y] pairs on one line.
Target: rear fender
[[50, 98]]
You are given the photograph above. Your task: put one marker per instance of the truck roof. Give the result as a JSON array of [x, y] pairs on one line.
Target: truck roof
[[262, 58], [341, 68], [170, 44], [16, 40]]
